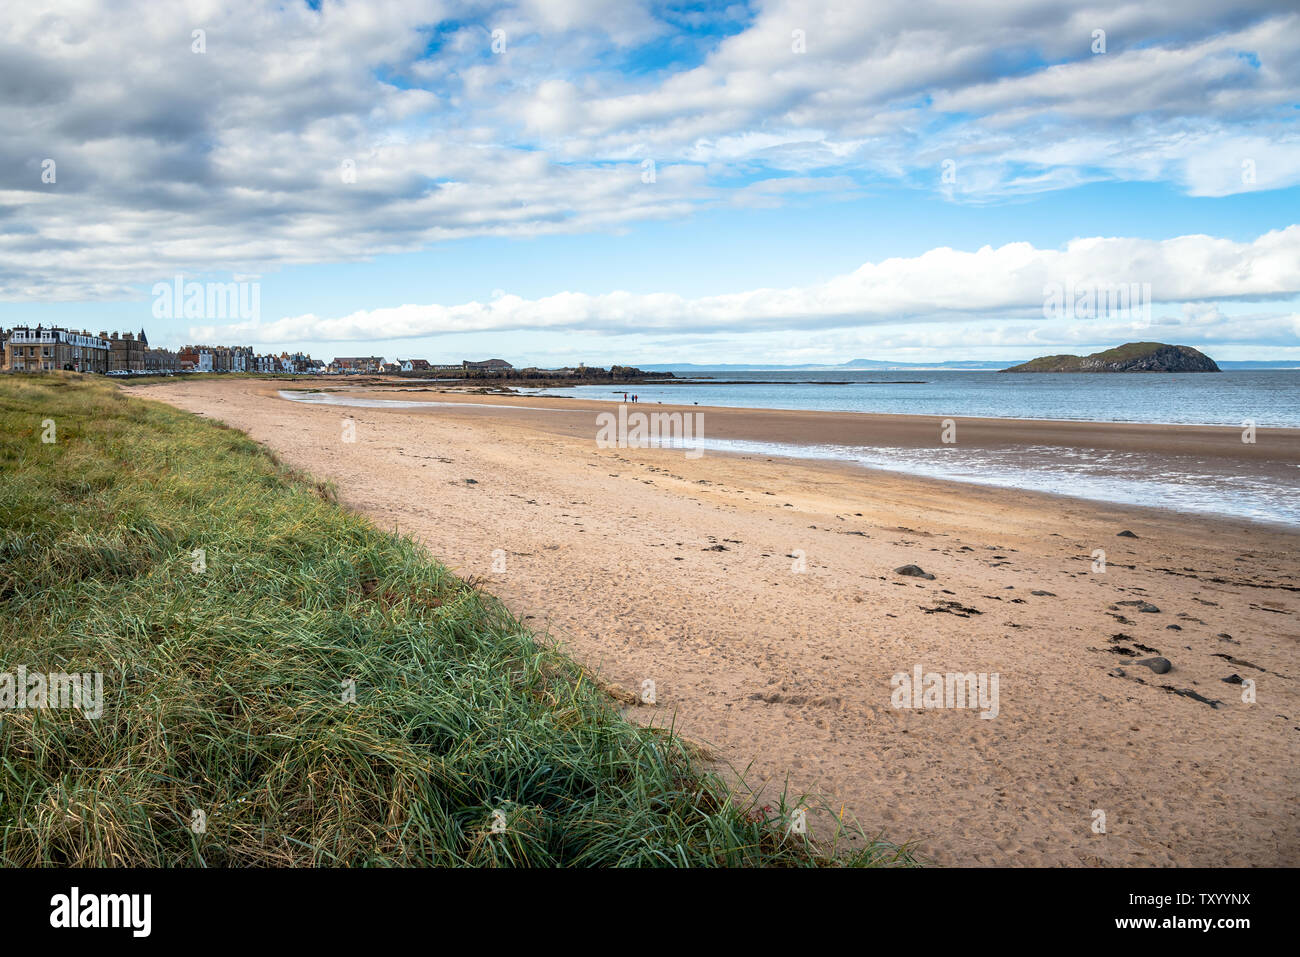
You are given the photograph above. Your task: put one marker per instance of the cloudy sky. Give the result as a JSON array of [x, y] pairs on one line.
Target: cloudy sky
[[555, 181]]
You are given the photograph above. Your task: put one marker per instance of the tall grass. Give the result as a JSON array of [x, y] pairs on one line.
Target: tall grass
[[224, 689]]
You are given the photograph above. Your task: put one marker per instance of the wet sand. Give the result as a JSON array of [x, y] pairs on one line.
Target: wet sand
[[759, 594], [1274, 450]]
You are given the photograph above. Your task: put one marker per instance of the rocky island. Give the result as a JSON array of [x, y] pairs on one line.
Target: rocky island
[[1130, 357]]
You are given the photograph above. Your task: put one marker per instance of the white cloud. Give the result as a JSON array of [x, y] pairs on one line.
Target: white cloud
[[230, 160], [936, 286], [1175, 96]]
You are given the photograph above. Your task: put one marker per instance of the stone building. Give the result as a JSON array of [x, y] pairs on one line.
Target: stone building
[[127, 352], [358, 363], [161, 360], [49, 348]]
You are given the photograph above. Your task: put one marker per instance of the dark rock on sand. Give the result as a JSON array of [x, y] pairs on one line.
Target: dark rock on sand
[[1126, 534], [913, 571], [1233, 679], [1159, 665], [1043, 594], [1144, 606]]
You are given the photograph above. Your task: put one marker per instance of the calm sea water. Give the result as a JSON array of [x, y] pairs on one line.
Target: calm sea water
[[1186, 483], [1269, 397]]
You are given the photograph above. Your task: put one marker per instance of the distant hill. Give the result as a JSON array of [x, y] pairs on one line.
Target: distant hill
[[1259, 364], [1130, 357], [961, 364]]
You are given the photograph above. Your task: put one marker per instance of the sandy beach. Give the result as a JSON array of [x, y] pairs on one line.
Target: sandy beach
[[760, 597]]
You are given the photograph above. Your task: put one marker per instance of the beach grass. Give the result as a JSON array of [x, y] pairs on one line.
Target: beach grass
[[235, 610], [142, 379]]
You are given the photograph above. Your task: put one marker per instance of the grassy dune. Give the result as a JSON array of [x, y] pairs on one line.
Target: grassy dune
[[224, 688]]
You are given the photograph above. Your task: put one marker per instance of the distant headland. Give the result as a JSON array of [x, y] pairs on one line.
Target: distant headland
[[1130, 357]]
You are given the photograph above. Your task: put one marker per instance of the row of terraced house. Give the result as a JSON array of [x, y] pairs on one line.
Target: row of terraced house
[[48, 348], [350, 365]]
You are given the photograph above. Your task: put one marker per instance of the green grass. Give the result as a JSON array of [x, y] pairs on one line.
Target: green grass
[[142, 379], [223, 689]]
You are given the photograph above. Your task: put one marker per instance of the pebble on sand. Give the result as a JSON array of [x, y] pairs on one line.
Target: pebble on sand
[[913, 571], [1159, 665]]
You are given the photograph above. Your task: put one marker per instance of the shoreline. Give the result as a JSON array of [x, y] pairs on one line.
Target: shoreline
[[1289, 437], [463, 387], [1121, 464], [989, 418], [330, 695], [761, 597]]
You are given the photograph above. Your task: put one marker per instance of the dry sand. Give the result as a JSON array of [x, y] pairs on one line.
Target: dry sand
[[649, 564]]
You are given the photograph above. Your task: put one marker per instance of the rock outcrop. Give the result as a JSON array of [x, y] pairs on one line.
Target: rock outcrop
[[1130, 357]]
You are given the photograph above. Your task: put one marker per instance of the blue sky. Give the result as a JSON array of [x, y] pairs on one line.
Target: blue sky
[[905, 186]]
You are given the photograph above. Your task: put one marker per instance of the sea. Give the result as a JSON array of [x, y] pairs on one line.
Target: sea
[[1263, 399], [1266, 398], [1269, 397]]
